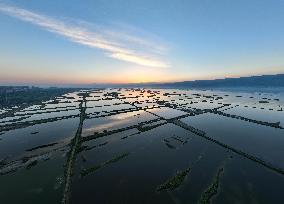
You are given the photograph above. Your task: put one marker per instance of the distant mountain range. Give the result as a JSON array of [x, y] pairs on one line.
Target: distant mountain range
[[252, 81]]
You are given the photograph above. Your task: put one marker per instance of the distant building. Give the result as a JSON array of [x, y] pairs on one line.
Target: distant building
[[12, 89]]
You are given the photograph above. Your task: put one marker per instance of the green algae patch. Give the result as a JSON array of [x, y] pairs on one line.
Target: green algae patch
[[175, 181], [88, 171], [117, 158], [212, 189], [93, 169], [32, 164]]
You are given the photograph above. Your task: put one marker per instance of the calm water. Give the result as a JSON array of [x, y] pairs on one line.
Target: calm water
[[145, 146]]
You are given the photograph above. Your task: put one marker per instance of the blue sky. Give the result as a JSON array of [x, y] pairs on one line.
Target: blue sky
[[94, 41]]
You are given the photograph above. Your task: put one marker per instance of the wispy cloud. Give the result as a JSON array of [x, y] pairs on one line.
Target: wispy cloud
[[117, 45]]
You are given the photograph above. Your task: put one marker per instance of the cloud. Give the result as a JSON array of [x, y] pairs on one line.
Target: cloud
[[137, 59], [117, 45]]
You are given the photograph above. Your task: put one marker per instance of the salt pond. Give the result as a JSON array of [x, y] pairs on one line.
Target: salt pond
[[144, 146]]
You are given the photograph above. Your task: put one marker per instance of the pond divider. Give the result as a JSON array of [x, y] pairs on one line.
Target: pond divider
[[75, 145]]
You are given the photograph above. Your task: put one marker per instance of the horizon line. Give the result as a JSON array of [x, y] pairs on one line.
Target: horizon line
[[125, 83]]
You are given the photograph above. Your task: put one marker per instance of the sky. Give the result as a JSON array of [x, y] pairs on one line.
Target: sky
[[126, 41]]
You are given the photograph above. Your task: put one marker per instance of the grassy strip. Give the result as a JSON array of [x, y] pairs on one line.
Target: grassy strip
[[104, 134], [212, 189], [41, 146], [274, 125], [25, 124], [150, 127], [75, 145], [117, 158], [88, 171], [32, 164], [175, 181]]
